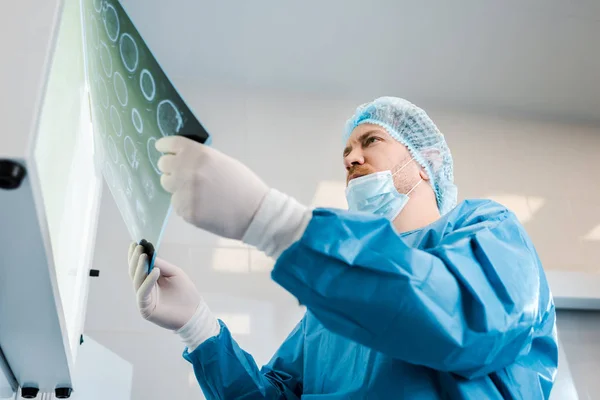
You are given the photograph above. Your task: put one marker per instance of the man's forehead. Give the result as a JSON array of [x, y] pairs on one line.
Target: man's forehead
[[361, 132], [363, 129]]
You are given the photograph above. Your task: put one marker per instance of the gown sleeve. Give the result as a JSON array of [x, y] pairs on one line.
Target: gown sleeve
[[225, 371], [468, 305]]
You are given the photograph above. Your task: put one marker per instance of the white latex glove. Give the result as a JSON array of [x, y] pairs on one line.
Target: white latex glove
[[169, 298], [210, 190], [279, 222]]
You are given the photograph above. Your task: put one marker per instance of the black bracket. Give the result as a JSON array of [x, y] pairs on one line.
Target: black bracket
[[195, 138], [11, 174], [63, 393], [29, 392], [149, 250]]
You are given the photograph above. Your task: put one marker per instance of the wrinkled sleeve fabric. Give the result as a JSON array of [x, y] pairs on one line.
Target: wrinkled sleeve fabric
[[225, 371], [468, 305]]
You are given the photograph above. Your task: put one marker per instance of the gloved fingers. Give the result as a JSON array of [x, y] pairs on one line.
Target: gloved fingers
[[132, 246], [168, 269], [173, 144], [167, 164], [134, 258], [140, 271], [147, 286], [170, 183]]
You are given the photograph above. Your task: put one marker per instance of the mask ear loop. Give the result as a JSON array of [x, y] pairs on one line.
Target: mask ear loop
[[414, 187], [402, 167]]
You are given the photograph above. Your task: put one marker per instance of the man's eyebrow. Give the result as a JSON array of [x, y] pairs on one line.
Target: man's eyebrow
[[367, 134], [361, 138]]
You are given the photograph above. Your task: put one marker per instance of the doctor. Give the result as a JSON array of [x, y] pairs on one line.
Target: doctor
[[408, 294]]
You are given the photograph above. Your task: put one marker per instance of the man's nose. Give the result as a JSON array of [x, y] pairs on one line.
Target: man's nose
[[355, 157]]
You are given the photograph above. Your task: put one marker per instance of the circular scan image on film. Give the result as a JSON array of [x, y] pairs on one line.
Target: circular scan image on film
[[102, 92], [131, 153], [153, 154], [149, 187], [137, 121], [92, 32], [126, 180], [111, 22], [98, 5], [147, 85], [168, 118], [115, 120], [129, 52], [120, 89], [106, 59]]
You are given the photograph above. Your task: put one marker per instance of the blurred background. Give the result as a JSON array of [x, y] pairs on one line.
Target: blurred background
[[514, 86]]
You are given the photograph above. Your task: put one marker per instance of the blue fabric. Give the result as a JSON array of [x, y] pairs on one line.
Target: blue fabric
[[458, 310]]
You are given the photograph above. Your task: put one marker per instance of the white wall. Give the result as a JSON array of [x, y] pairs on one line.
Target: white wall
[[293, 142], [580, 338]]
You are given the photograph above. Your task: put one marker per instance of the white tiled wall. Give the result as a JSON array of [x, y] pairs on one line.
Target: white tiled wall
[[293, 142], [580, 336]]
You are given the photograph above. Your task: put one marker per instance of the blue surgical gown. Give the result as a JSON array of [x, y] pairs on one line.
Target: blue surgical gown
[[460, 309]]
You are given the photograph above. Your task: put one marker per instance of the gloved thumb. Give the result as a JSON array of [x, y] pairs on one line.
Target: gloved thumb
[[167, 268], [145, 290]]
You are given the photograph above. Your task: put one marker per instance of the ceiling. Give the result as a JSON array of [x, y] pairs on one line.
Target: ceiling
[[515, 56]]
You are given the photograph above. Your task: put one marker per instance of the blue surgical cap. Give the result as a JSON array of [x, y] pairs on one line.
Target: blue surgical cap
[[412, 127]]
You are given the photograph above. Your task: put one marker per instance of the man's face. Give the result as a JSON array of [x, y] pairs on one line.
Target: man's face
[[371, 149]]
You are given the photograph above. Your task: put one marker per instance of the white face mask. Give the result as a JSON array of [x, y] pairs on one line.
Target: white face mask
[[376, 193]]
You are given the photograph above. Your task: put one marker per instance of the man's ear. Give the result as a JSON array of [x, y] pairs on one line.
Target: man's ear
[[433, 157]]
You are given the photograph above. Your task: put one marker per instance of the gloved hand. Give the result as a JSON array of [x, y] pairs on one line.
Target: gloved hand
[[168, 298], [210, 189], [221, 195]]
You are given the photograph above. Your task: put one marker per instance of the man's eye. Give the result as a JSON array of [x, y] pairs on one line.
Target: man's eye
[[371, 140]]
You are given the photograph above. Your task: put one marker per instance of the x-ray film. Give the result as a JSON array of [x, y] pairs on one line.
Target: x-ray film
[[133, 105]]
